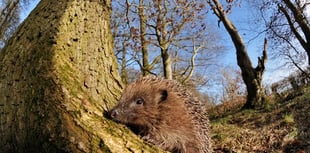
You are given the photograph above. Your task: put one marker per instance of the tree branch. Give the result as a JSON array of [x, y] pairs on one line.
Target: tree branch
[[262, 60], [299, 18], [7, 16], [291, 24]]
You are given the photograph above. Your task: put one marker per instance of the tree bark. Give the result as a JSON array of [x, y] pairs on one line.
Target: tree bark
[[253, 80], [251, 76], [58, 74], [145, 56], [166, 63], [124, 74]]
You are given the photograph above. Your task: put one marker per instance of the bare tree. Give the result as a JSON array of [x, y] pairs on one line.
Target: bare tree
[[165, 30], [251, 76], [233, 87], [193, 61], [146, 67], [130, 41], [288, 28]]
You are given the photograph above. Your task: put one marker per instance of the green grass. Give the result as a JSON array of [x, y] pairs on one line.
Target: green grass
[[289, 118]]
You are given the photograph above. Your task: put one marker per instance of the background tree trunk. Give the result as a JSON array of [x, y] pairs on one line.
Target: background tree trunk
[[57, 75], [145, 55], [166, 63], [251, 76]]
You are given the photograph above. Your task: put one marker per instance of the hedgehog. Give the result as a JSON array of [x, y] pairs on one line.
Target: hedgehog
[[165, 114]]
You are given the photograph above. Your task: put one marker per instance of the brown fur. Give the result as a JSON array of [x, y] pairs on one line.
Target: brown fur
[[165, 114]]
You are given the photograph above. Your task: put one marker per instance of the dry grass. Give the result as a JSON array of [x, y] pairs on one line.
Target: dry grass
[[226, 108], [283, 127]]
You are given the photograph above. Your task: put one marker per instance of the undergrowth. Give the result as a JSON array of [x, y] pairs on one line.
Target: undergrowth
[[280, 127]]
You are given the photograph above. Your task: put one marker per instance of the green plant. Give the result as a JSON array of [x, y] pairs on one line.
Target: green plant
[[289, 118]]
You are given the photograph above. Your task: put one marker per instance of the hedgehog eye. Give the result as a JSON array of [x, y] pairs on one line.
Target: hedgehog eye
[[139, 101]]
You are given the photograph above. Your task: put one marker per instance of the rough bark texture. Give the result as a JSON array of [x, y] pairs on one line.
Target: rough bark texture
[[57, 75], [251, 76]]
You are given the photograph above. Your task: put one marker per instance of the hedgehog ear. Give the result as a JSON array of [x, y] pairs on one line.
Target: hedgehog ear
[[163, 95]]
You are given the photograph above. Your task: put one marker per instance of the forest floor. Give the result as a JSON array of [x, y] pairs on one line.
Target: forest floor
[[282, 126]]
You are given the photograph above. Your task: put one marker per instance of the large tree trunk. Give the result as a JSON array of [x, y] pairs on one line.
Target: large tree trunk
[[57, 75], [253, 80], [252, 77]]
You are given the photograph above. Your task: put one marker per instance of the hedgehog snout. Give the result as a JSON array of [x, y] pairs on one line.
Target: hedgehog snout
[[113, 113]]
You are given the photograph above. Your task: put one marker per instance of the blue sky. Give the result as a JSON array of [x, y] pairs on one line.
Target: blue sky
[[241, 17], [26, 9]]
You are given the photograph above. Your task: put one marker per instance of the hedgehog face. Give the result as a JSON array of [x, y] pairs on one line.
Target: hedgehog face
[[139, 105]]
